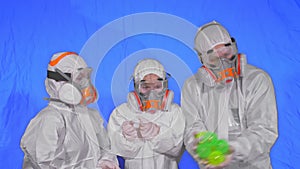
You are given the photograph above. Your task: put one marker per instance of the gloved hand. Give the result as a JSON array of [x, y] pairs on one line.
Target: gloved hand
[[129, 131], [228, 159], [107, 164], [148, 129]]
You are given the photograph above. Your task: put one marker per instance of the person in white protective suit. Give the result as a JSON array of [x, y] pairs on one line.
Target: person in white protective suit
[[66, 133], [147, 130], [231, 98]]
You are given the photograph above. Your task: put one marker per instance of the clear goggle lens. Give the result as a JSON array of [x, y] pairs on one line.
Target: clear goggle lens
[[216, 56], [82, 78], [144, 87]]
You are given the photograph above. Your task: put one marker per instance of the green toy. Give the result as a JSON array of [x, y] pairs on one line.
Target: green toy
[[203, 150], [211, 149], [222, 146], [216, 157]]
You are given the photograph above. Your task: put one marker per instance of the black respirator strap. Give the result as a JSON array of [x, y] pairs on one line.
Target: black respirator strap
[[57, 76]]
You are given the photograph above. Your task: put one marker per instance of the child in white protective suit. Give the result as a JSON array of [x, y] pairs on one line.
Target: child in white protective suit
[[147, 131], [68, 134]]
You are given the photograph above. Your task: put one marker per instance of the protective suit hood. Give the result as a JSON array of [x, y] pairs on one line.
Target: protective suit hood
[[148, 66], [210, 35], [67, 62], [68, 79]]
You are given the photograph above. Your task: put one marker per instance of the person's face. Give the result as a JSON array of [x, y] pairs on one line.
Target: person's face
[[151, 82], [220, 52], [224, 51]]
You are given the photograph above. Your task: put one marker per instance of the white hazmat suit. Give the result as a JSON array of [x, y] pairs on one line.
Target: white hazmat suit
[[240, 108], [67, 134], [161, 146]]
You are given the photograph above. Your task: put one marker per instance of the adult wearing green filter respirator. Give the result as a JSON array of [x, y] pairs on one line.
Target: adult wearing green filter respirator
[[232, 99]]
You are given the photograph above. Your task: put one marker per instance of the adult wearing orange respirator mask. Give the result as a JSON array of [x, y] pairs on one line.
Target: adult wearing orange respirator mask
[[68, 134], [147, 131], [231, 98]]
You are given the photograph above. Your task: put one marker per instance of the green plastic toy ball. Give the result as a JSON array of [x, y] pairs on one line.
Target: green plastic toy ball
[[198, 135], [209, 137], [203, 150], [222, 146], [211, 149], [216, 158]]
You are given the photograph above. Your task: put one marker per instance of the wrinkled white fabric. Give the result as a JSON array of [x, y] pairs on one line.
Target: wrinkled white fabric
[[148, 66], [250, 104], [63, 137], [161, 151]]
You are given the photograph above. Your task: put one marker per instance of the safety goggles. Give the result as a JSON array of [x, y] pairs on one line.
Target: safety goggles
[[82, 77], [215, 57], [144, 87], [82, 80]]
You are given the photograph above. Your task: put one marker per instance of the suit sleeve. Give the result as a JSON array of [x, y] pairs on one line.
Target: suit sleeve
[[170, 139], [192, 111], [119, 144], [103, 139], [260, 119], [42, 141]]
